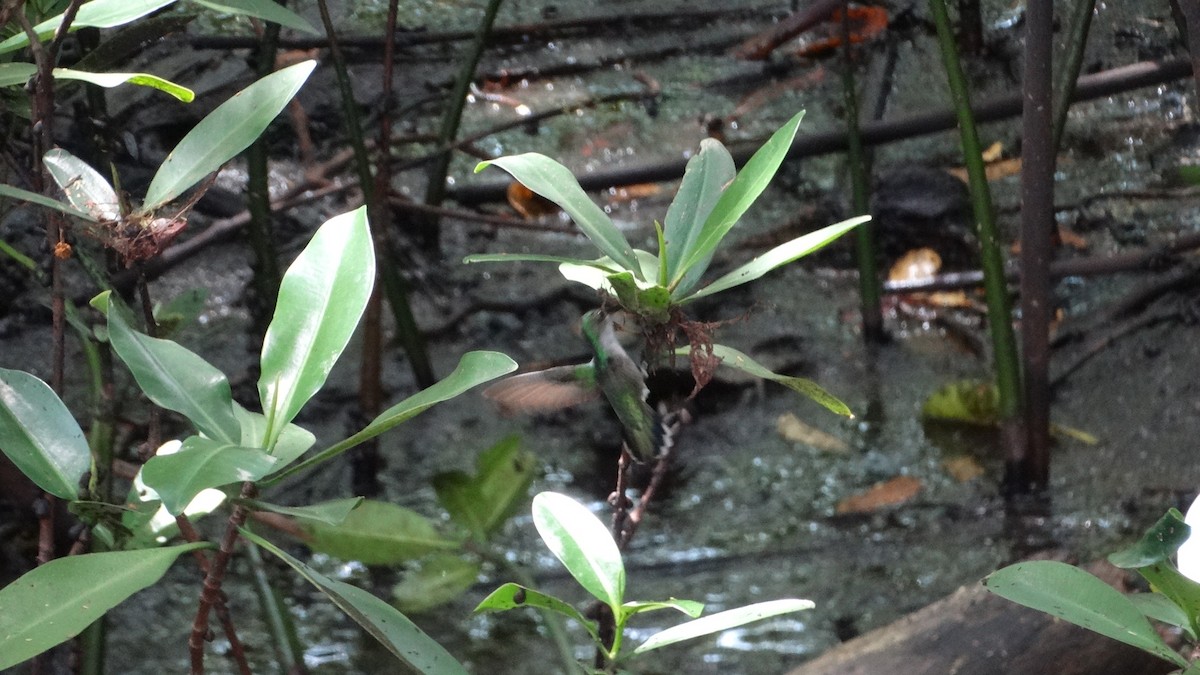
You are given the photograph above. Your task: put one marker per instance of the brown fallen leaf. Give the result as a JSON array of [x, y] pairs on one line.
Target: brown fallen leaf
[[792, 429], [962, 468], [528, 203], [888, 493]]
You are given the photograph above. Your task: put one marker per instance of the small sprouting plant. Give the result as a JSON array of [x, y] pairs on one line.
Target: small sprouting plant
[[1074, 595], [584, 546]]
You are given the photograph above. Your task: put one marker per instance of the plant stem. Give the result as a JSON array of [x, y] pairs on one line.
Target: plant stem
[[859, 168], [435, 191], [1037, 244], [289, 653], [1078, 25], [212, 595], [999, 313], [260, 230]]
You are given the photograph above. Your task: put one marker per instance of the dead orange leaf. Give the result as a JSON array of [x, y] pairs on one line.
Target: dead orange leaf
[[962, 468], [888, 493], [528, 203]]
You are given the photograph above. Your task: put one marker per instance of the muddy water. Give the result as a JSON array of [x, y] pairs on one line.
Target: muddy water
[[748, 515]]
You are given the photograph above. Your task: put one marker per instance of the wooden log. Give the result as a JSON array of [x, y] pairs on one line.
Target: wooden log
[[973, 632]]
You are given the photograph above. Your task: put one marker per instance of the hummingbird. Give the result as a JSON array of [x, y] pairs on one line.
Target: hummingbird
[[612, 372]]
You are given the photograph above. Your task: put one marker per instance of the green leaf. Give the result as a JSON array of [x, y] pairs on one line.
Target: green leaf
[[1158, 607], [606, 264], [54, 602], [379, 533], [735, 359], [174, 377], [1159, 543], [511, 596], [583, 545], [473, 369], [293, 441], [225, 132], [774, 258], [440, 579], [321, 298], [110, 80], [42, 200], [555, 182], [330, 513], [652, 302], [262, 9], [1071, 594], [202, 463], [94, 14], [40, 436], [86, 189], [738, 197], [1182, 591], [481, 503], [16, 74], [689, 607], [385, 623], [731, 618], [968, 401], [705, 178]]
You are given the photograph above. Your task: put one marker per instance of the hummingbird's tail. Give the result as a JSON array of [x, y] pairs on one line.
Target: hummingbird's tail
[[667, 425]]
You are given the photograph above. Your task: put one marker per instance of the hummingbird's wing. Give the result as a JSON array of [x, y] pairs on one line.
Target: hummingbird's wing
[[545, 390]]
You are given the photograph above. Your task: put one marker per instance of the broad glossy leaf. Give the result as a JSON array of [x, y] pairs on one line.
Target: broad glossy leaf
[[473, 369], [16, 74], [774, 258], [555, 182], [202, 463], [481, 503], [330, 513], [225, 132], [440, 579], [740, 194], [85, 188], [735, 359], [715, 623], [1182, 591], [705, 178], [689, 607], [293, 441], [379, 533], [1072, 594], [1189, 552], [110, 80], [1159, 543], [42, 200], [94, 14], [40, 435], [54, 602], [385, 623], [512, 596], [583, 545], [174, 377], [262, 9], [321, 298]]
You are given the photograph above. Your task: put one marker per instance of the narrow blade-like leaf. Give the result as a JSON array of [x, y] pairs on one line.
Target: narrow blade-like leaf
[[440, 579], [741, 193], [330, 513], [735, 359], [202, 463], [42, 200], [225, 132], [689, 607], [110, 80], [262, 9], [94, 14], [555, 182], [321, 298], [40, 435], [705, 178], [776, 257], [54, 602], [1073, 595], [385, 623], [605, 264], [174, 377], [730, 618], [473, 369], [583, 545]]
